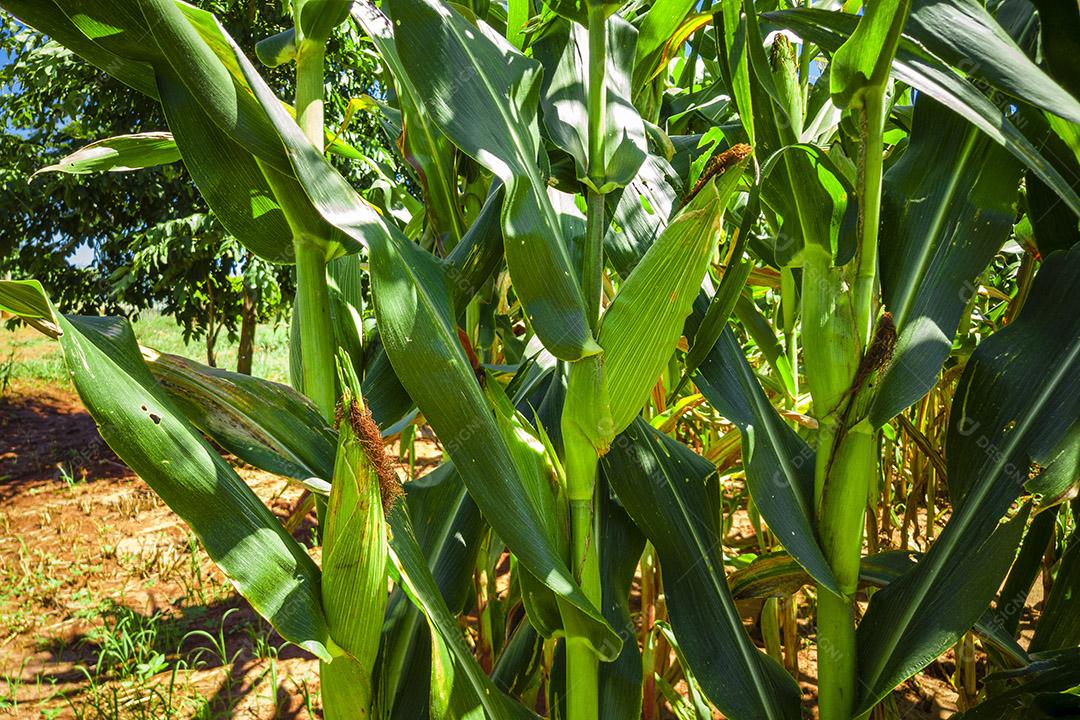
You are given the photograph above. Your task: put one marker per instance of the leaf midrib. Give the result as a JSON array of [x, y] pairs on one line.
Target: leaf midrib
[[968, 512], [749, 656], [933, 239]]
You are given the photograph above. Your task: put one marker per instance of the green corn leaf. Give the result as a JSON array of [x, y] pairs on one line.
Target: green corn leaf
[[926, 73], [1018, 399], [426, 147], [469, 266], [774, 574], [546, 493], [450, 696], [388, 401], [478, 256], [50, 17], [660, 22], [701, 707], [518, 13], [452, 657], [431, 155], [949, 206], [579, 10], [518, 668], [732, 44], [965, 35], [862, 63], [219, 166], [345, 281], [641, 214], [761, 332], [150, 434], [448, 526], [960, 599], [1053, 670], [573, 10], [726, 296], [27, 299], [641, 328], [565, 100], [1043, 689], [1059, 623], [779, 465], [118, 154], [277, 50], [1039, 349], [226, 139], [449, 530], [190, 40], [663, 486], [1017, 586], [330, 195], [1059, 480], [819, 210], [265, 424], [483, 94], [121, 30]]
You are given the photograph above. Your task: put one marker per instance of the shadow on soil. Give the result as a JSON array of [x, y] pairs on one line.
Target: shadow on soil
[[223, 634], [48, 436]]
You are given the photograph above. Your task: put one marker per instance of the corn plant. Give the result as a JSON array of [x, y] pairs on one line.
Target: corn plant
[[602, 200]]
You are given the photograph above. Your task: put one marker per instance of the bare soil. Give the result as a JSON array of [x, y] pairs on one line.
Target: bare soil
[[91, 560]]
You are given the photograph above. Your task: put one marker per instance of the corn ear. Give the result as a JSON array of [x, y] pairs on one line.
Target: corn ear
[[643, 325], [785, 73], [831, 346], [354, 586]]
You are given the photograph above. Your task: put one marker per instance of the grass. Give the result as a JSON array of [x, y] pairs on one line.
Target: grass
[[29, 357], [145, 668]]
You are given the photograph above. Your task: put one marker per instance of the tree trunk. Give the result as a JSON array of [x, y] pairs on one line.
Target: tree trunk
[[248, 321], [211, 326], [211, 358]]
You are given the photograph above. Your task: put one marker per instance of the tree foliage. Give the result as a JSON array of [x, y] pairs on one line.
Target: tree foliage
[[142, 239]]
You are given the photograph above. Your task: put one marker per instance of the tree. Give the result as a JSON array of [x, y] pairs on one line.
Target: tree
[[147, 239]]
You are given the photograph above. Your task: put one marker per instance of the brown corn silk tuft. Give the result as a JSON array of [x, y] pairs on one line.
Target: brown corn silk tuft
[[718, 165], [877, 358], [367, 433], [879, 353]]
